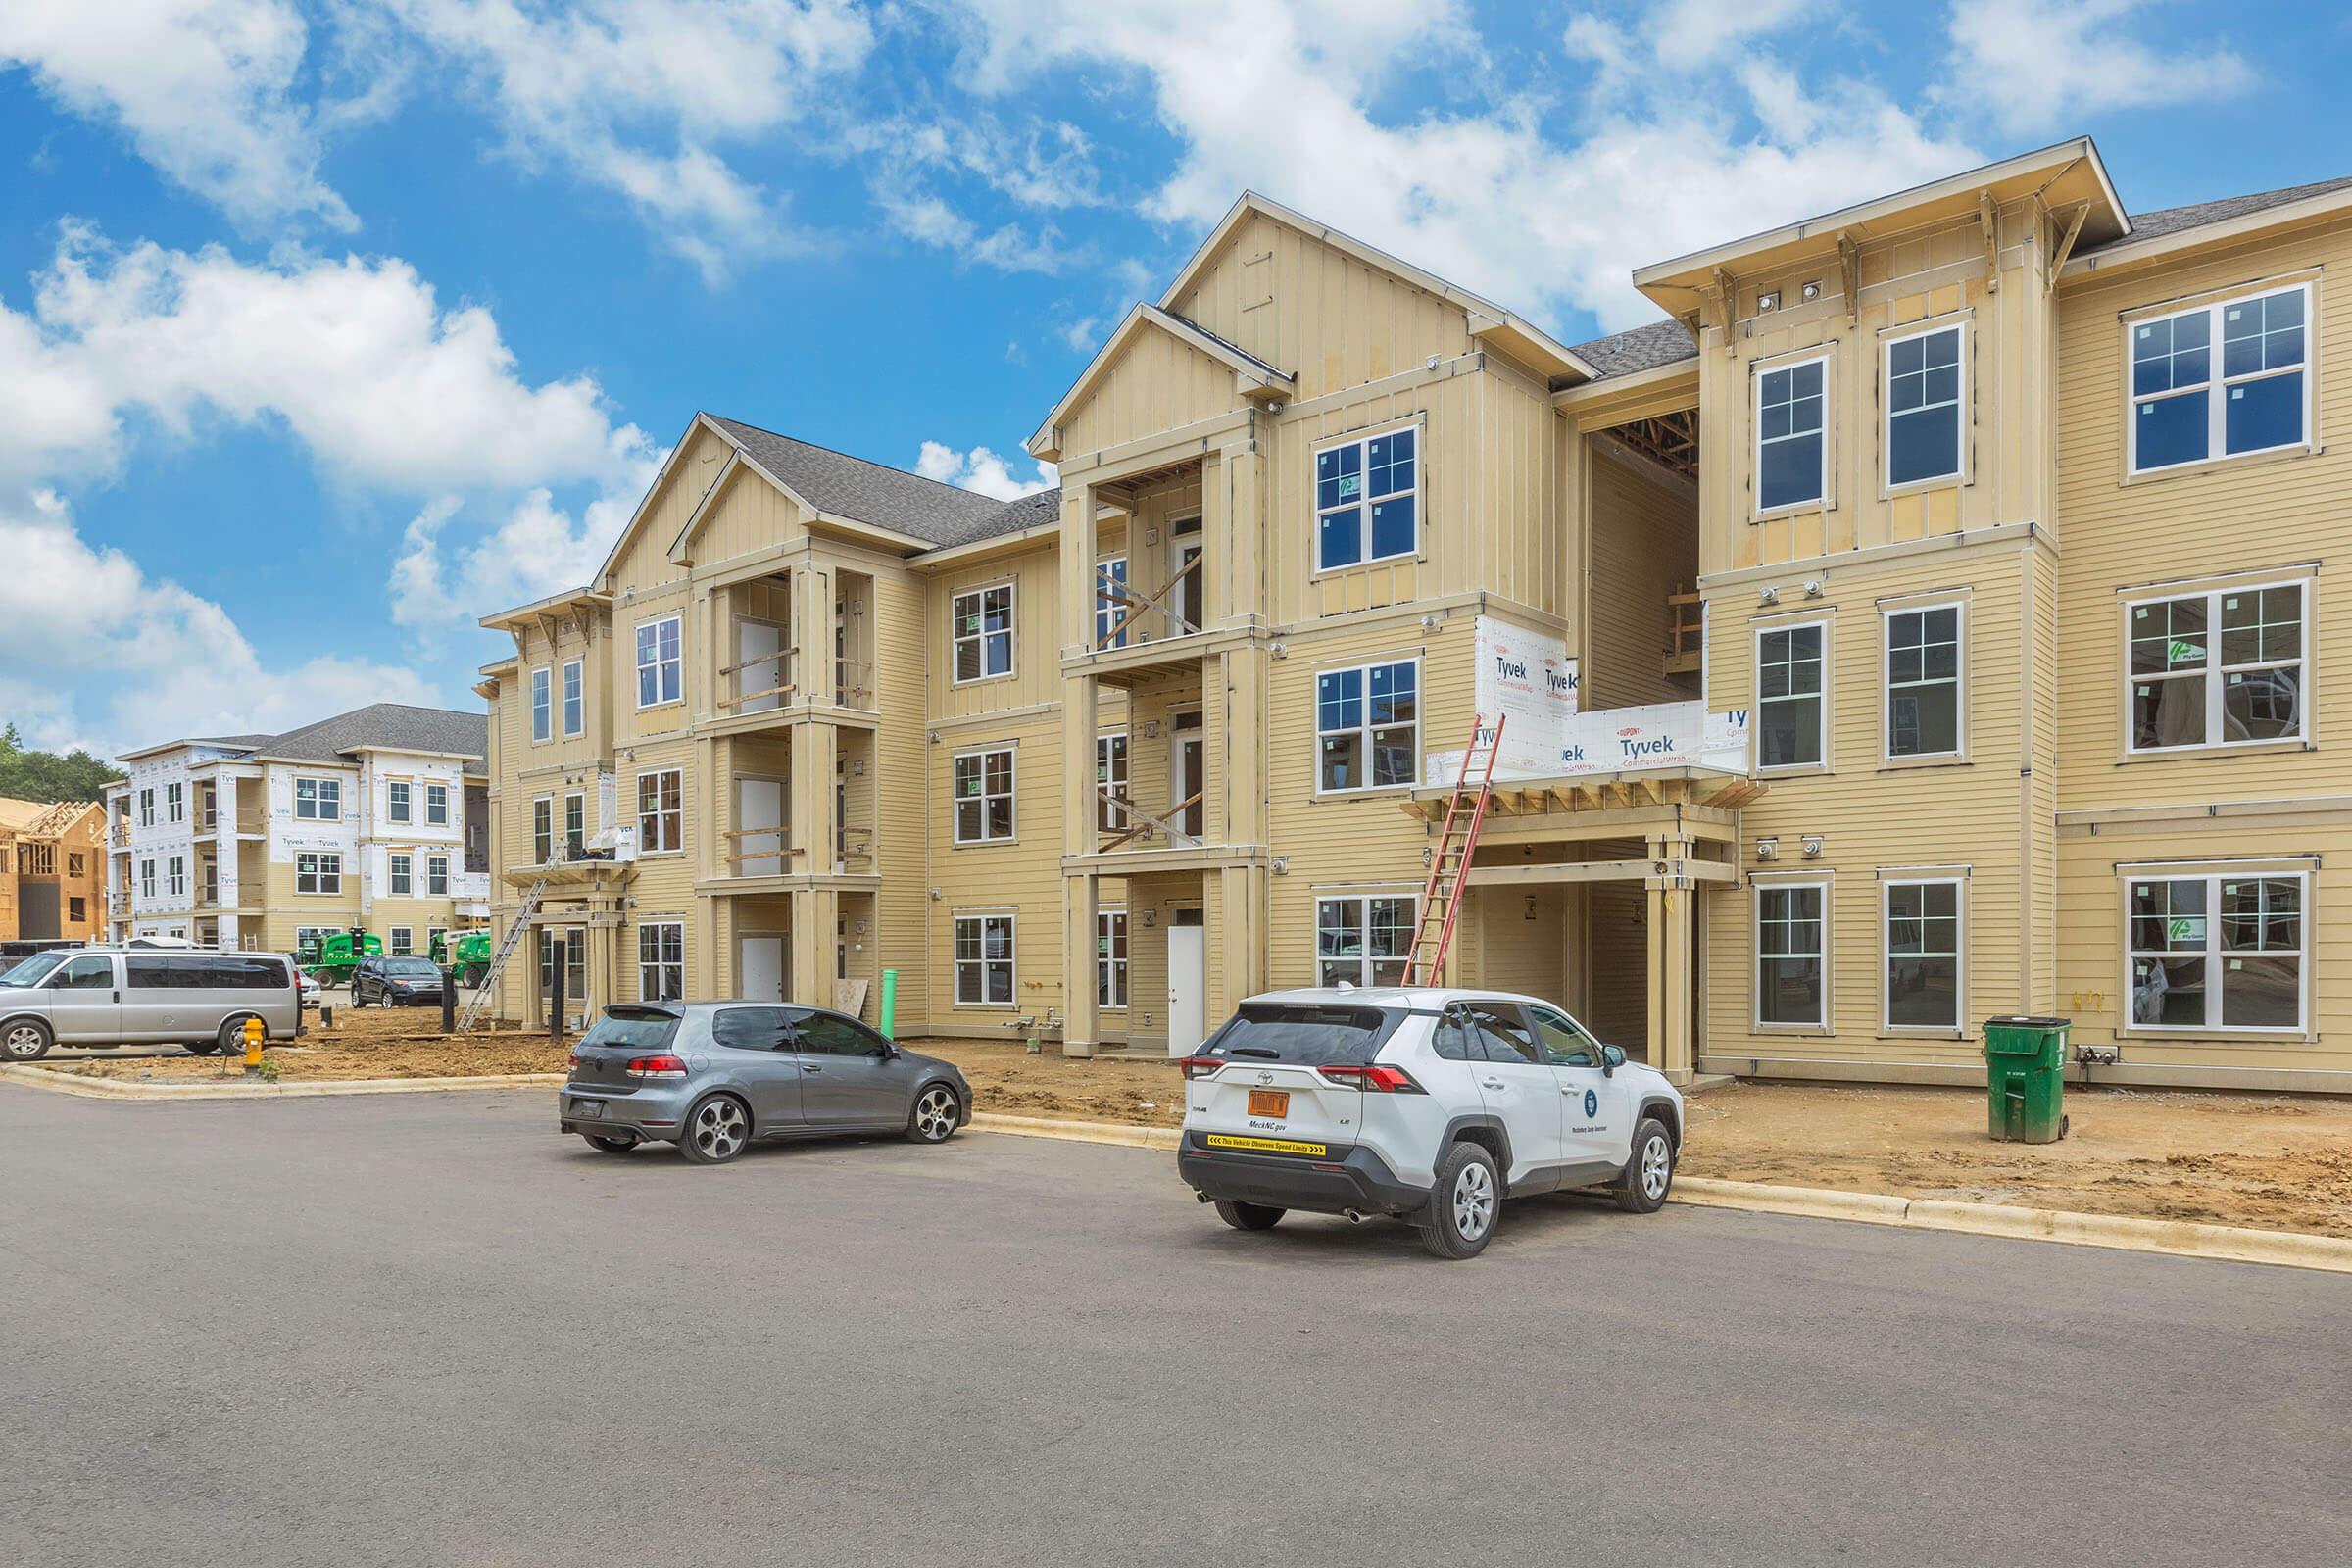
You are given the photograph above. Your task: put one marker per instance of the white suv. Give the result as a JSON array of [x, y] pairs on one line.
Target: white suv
[[1427, 1104]]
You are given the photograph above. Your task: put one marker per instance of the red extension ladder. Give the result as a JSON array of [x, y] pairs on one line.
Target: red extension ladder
[[1442, 898]]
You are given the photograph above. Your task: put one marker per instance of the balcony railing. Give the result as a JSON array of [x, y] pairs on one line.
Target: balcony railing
[[1142, 827], [761, 683], [1686, 633], [1128, 609]]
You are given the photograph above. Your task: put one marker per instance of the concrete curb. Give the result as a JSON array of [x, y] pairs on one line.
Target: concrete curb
[[57, 1081], [2173, 1238]]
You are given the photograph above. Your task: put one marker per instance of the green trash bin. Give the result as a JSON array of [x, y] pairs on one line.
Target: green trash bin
[[2025, 1079]]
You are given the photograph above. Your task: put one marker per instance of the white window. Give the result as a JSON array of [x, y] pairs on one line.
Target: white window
[[543, 830], [1367, 727], [661, 811], [2216, 951], [399, 873], [1789, 696], [575, 964], [542, 720], [984, 961], [1110, 607], [1923, 681], [661, 960], [982, 633], [1111, 777], [1110, 958], [576, 689], [146, 879], [1363, 940], [319, 799], [2218, 669], [401, 939], [2181, 411], [175, 804], [436, 943], [178, 869], [1368, 499], [436, 876], [1793, 444], [437, 805], [984, 796], [661, 670], [1924, 935], [575, 826], [318, 873], [1925, 400], [307, 938], [396, 801], [146, 807], [1792, 948]]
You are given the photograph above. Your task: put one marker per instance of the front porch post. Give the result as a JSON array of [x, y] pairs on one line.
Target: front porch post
[[1081, 1013], [1670, 1037]]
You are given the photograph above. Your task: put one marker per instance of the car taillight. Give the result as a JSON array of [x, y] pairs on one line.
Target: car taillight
[[1377, 1079], [1201, 1066], [657, 1067], [574, 1063]]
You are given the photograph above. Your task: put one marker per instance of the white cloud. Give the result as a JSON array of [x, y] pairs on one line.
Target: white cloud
[[980, 471], [640, 95], [204, 89], [1279, 97], [1692, 33], [537, 549], [87, 619], [2043, 63], [357, 358]]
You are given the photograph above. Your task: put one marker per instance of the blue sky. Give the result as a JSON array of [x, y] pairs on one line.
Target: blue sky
[[327, 326]]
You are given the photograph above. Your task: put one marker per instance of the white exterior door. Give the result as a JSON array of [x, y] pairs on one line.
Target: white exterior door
[[759, 969], [1188, 988], [760, 664], [760, 804]]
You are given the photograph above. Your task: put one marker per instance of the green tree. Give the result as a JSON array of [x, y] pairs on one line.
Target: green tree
[[36, 775]]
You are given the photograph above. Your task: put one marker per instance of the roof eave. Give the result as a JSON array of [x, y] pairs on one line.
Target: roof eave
[[509, 619], [963, 555], [2132, 253]]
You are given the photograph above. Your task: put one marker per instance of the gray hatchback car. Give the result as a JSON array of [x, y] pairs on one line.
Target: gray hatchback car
[[713, 1076]]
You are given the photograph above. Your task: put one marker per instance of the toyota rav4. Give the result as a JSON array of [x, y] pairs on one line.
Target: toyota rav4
[[1428, 1104]]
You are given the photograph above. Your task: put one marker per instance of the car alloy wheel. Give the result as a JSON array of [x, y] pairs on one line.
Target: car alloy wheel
[[935, 1114], [719, 1129], [1473, 1201], [1657, 1168], [26, 1041]]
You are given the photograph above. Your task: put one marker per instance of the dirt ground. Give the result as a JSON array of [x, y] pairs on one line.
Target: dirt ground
[[1139, 1090], [374, 1042]]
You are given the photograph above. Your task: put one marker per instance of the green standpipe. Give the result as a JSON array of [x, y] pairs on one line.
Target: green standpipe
[[890, 1005]]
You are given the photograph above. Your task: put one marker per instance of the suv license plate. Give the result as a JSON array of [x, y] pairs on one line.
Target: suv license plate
[[588, 1109], [1275, 1103]]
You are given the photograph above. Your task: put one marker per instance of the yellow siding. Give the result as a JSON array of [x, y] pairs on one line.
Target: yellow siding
[[1155, 384], [1643, 525]]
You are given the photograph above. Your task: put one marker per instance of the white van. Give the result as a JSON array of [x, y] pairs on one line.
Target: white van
[[140, 995]]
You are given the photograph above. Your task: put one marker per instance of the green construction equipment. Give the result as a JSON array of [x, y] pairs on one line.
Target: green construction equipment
[[466, 953], [331, 960]]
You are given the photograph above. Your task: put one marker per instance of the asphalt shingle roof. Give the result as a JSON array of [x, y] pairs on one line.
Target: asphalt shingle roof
[[393, 726], [1643, 348], [1031, 511], [868, 492], [2173, 219]]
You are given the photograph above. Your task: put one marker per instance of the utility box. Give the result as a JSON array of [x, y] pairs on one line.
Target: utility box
[[2025, 1079]]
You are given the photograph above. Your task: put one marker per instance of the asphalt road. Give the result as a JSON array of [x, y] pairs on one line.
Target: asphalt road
[[425, 1330]]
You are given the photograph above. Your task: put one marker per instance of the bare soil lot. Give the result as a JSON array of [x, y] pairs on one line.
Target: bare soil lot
[[374, 1042]]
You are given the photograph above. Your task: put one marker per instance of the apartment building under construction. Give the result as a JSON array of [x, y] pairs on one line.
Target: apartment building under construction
[[1919, 622]]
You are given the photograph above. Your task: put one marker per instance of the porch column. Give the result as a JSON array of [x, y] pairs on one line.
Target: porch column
[[603, 928], [815, 913], [1671, 898], [1081, 892], [812, 633], [1234, 900], [1081, 1016], [811, 811]]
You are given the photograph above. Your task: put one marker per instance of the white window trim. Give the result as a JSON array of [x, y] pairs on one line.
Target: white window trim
[[575, 725], [2215, 700], [1891, 878], [1109, 612], [1756, 678], [1827, 500], [1363, 731], [543, 709], [1960, 473], [318, 788], [1886, 617], [637, 665], [1103, 781], [644, 851], [1104, 960], [408, 813], [176, 802], [319, 875], [1012, 632], [430, 862], [394, 874], [2217, 402], [1363, 902], [1762, 884], [553, 833], [1419, 427], [400, 940], [1012, 795], [957, 961], [431, 820], [2214, 873], [643, 968]]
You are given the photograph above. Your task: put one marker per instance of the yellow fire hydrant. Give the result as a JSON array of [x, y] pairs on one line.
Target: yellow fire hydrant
[[253, 1048]]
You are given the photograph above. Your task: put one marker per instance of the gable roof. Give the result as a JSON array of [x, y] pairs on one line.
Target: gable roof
[[2200, 215], [1253, 378], [1639, 349], [386, 726], [1039, 509], [856, 488]]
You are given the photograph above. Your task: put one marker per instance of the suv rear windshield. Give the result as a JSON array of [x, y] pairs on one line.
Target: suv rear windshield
[[1309, 1036], [632, 1029]]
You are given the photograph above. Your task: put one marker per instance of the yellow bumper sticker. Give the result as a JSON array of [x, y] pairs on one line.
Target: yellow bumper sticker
[[1266, 1146]]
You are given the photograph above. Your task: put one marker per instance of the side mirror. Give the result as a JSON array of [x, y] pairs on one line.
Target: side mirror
[[1612, 1058]]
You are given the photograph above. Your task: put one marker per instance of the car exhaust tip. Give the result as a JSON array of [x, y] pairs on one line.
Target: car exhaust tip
[[1202, 1197], [1352, 1216]]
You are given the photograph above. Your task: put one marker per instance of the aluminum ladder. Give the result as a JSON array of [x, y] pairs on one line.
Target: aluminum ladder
[[480, 1002], [1465, 812]]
